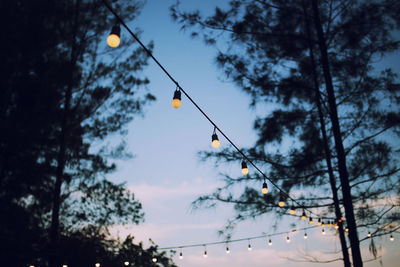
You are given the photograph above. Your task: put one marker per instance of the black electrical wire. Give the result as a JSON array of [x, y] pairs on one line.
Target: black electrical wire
[[238, 240], [201, 111]]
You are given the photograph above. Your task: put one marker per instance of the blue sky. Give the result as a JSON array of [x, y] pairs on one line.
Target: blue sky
[[166, 175]]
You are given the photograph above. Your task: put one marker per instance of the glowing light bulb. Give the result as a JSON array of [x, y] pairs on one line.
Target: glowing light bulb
[[264, 189], [319, 222], [391, 238], [113, 40], [215, 142], [180, 255], [245, 170], [64, 265], [291, 211], [287, 239], [305, 236], [369, 234], [270, 242], [154, 259], [323, 232], [249, 247], [303, 216], [311, 221], [97, 265], [323, 225], [126, 263], [176, 100], [205, 254], [346, 229], [227, 250]]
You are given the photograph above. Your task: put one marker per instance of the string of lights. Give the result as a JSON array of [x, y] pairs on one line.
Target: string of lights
[[113, 41], [248, 239], [238, 240]]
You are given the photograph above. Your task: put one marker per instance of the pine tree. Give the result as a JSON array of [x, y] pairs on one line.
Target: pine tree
[[313, 64]]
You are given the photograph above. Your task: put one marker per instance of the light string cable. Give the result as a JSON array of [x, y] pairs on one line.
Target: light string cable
[[239, 240], [201, 111]]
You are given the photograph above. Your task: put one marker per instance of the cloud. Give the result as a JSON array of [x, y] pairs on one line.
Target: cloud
[[148, 193]]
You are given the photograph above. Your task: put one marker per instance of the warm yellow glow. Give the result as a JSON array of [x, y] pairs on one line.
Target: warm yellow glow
[[97, 265], [31, 265], [64, 265], [288, 239], [215, 144], [154, 259], [311, 221], [126, 263], [264, 190], [291, 211], [245, 171], [319, 222], [281, 203], [113, 40], [323, 225], [176, 103], [369, 234], [303, 217], [346, 229]]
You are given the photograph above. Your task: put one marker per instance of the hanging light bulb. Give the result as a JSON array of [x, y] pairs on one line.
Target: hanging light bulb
[[126, 263], [329, 224], [291, 211], [391, 238], [249, 247], [323, 232], [214, 139], [311, 221], [245, 170], [323, 225], [176, 100], [97, 265], [154, 259], [264, 188], [270, 242], [281, 201], [369, 234], [346, 229], [336, 225], [64, 265], [287, 239], [305, 236], [113, 39], [319, 222], [227, 250], [303, 216], [205, 254], [180, 254]]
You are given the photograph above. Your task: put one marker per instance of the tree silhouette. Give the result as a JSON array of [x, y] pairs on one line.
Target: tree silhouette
[[63, 94], [332, 115]]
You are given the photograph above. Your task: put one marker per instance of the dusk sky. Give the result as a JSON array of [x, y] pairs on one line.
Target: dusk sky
[[166, 175]]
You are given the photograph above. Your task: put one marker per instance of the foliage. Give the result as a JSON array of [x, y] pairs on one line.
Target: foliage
[[267, 54]]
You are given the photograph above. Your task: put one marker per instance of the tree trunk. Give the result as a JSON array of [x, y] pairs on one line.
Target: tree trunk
[[55, 217], [341, 157], [328, 157]]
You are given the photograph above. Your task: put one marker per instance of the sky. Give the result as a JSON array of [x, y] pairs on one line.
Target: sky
[[166, 175]]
